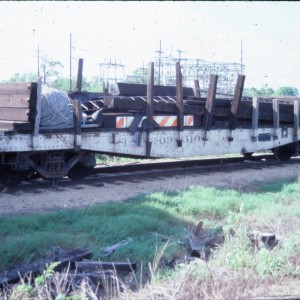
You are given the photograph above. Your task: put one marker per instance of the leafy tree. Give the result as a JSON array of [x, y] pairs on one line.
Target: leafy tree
[[22, 77], [264, 91], [92, 85], [60, 83], [49, 69], [138, 76], [287, 91], [250, 92], [63, 84]]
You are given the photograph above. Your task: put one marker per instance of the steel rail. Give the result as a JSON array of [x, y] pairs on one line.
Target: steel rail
[[102, 175], [178, 164]]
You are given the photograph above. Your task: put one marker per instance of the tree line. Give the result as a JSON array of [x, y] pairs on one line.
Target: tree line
[[266, 91], [50, 72]]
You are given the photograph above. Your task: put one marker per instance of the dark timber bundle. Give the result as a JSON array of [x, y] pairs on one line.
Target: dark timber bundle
[[221, 109], [17, 105]]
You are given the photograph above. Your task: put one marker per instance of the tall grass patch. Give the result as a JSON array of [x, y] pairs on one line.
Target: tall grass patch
[[26, 238]]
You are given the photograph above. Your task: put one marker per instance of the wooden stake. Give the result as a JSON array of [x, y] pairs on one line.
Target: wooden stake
[[197, 88], [79, 75], [209, 106], [77, 124], [255, 110], [276, 122], [238, 92], [296, 118], [150, 94]]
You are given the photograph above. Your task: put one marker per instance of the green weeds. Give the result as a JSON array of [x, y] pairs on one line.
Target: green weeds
[[275, 208]]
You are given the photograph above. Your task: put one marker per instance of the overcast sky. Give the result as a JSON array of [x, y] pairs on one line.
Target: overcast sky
[[130, 32]]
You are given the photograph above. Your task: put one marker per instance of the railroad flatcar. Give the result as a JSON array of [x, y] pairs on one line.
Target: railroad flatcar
[[53, 134]]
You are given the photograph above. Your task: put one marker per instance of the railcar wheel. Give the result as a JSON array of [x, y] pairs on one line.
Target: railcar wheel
[[248, 155], [79, 171], [283, 153], [11, 177]]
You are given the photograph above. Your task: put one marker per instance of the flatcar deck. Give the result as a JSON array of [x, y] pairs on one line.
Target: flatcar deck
[[149, 125]]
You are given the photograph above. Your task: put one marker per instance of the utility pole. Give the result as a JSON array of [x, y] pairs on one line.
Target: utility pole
[[38, 53], [179, 61], [38, 60], [70, 62], [241, 57], [159, 61], [179, 54]]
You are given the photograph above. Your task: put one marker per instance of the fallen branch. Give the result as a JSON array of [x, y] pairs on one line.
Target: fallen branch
[[272, 298], [36, 268], [111, 249], [95, 266]]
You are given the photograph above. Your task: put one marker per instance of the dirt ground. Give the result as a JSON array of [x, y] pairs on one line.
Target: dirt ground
[[64, 195], [43, 197]]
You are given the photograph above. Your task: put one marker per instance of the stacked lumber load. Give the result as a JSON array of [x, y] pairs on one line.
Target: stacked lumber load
[[17, 105], [165, 103]]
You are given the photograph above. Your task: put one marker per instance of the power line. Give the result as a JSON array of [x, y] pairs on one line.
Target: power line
[[159, 61]]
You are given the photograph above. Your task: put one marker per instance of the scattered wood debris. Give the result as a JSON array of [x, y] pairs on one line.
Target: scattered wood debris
[[203, 240], [66, 259], [111, 249], [73, 267], [165, 238], [265, 239], [96, 266], [272, 298]]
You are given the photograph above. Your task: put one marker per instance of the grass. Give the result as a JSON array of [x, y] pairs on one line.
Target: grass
[[275, 208], [113, 160], [95, 227]]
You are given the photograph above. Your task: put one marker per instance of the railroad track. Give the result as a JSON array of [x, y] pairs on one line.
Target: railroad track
[[123, 182], [129, 172], [179, 164], [187, 167]]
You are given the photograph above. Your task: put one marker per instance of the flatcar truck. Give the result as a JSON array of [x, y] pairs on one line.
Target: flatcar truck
[[138, 121]]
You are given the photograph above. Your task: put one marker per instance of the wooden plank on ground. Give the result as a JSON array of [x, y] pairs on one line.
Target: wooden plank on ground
[[16, 274], [271, 298], [92, 266]]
